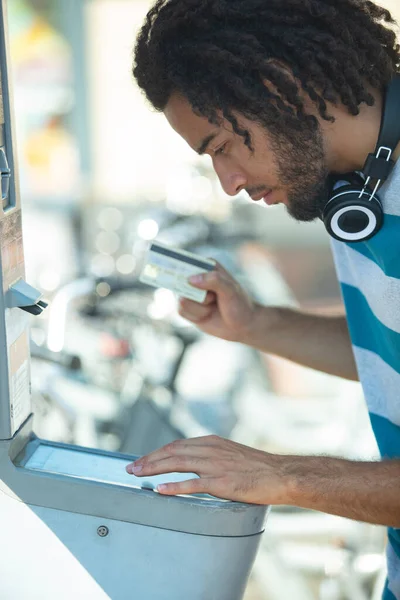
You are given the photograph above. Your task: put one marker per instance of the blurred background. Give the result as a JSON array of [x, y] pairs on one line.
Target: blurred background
[[113, 364]]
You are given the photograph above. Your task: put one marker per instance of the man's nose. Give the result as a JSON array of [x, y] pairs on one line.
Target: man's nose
[[232, 182]]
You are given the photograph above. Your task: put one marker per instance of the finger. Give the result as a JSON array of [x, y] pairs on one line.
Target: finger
[[173, 464], [196, 314], [221, 269], [178, 447], [218, 281], [181, 447], [202, 485], [217, 268], [210, 298]]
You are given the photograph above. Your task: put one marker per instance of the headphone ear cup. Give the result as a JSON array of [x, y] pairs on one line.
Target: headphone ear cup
[[351, 218]]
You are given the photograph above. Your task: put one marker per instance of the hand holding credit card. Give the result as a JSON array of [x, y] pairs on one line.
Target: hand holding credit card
[[171, 268], [220, 306]]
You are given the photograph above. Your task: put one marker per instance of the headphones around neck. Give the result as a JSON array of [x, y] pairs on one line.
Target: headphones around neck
[[354, 212]]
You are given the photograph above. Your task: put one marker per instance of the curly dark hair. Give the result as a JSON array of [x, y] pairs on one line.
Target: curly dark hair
[[233, 56]]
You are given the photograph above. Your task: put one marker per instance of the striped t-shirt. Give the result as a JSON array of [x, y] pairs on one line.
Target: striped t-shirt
[[369, 275]]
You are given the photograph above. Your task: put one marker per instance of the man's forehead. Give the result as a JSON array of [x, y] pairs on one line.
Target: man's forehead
[[193, 128]]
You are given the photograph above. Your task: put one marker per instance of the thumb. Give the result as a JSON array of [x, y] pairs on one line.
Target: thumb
[[217, 280], [199, 281]]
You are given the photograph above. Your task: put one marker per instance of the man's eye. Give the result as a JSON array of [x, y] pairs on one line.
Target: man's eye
[[220, 150]]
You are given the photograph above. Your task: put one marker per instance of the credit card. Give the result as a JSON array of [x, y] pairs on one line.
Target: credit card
[[170, 268]]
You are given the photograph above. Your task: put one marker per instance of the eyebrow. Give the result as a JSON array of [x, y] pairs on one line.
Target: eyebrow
[[204, 144]]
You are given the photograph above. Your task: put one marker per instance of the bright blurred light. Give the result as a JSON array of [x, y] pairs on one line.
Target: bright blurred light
[[369, 563], [103, 289], [125, 264], [165, 297], [202, 188], [102, 265], [148, 229], [49, 280], [179, 192], [110, 219], [107, 242], [164, 303]]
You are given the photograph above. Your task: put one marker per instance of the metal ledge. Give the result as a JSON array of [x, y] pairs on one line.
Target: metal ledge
[[186, 514]]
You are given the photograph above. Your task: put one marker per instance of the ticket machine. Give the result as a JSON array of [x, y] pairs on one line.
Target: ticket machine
[[73, 523]]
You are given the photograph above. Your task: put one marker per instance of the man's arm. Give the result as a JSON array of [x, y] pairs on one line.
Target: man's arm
[[364, 491], [316, 341], [228, 312]]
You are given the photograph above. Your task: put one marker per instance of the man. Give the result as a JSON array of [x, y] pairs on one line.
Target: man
[[282, 94]]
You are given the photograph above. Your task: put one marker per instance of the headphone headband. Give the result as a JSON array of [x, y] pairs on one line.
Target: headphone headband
[[389, 135], [379, 165]]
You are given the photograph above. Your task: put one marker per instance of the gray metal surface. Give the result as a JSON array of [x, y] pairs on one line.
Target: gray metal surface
[[6, 103], [58, 555], [5, 423], [14, 370], [118, 500], [5, 430]]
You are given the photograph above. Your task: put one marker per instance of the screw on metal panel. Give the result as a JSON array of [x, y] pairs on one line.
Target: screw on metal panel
[[102, 531]]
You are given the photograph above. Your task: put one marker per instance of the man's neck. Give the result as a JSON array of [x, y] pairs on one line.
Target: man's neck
[[350, 139]]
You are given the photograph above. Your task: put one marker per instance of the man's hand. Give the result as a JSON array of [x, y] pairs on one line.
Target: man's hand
[[320, 342], [365, 491], [226, 470], [228, 311]]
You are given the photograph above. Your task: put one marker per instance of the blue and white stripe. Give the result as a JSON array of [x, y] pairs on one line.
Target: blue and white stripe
[[369, 275]]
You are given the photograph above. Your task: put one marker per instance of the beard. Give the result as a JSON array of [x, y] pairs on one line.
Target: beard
[[301, 163]]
